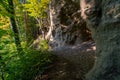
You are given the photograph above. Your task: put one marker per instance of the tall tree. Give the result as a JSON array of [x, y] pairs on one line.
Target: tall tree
[[26, 24], [103, 19], [13, 25]]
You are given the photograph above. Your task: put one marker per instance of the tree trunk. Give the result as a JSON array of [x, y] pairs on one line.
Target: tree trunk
[[14, 26], [103, 19], [27, 34], [28, 28], [49, 34]]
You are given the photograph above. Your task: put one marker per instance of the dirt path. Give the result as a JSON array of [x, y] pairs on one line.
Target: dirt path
[[71, 62]]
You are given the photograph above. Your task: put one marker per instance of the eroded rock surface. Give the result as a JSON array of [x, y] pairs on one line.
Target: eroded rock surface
[[68, 28]]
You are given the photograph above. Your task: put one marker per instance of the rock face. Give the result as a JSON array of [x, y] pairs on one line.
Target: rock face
[[67, 27], [103, 18]]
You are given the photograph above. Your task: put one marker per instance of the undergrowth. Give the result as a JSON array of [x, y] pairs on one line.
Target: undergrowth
[[13, 67]]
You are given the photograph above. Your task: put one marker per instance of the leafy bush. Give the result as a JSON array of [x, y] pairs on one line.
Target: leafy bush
[[31, 64]]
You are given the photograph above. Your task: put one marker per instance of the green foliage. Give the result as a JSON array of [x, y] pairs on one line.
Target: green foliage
[[7, 51], [35, 62], [3, 7], [32, 62], [36, 8], [43, 45], [40, 44], [2, 32]]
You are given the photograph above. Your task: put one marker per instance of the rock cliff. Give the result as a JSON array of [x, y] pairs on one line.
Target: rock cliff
[[67, 26]]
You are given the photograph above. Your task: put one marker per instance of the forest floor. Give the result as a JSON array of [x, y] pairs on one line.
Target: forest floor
[[71, 62]]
